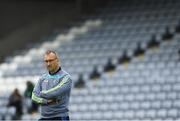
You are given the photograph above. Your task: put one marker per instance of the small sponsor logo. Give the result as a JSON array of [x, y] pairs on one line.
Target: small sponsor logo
[[45, 80]]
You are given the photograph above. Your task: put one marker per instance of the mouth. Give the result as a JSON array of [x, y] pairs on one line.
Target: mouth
[[49, 67]]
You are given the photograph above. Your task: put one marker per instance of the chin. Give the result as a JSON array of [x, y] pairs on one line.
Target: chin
[[49, 69]]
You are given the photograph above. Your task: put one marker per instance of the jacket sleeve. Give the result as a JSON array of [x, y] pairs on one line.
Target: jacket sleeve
[[36, 94], [63, 87]]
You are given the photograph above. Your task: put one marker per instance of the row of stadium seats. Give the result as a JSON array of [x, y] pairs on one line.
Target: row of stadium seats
[[144, 87]]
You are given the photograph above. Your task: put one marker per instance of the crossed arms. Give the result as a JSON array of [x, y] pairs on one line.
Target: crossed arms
[[49, 96]]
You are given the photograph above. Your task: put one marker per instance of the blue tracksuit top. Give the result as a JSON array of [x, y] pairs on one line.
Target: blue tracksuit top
[[53, 86]]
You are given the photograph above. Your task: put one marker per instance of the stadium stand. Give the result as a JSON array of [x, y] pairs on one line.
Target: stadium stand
[[142, 88]]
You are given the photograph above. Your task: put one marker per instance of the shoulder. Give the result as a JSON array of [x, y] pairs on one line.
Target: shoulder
[[66, 74], [43, 76]]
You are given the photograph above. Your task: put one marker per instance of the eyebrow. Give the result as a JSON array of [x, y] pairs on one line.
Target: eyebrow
[[50, 59]]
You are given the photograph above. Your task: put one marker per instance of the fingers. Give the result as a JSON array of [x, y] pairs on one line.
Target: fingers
[[51, 101]]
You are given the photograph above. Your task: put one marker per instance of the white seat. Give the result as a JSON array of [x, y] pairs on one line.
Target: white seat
[[118, 114], [140, 97], [11, 111], [97, 115], [93, 107], [171, 95], [162, 113], [156, 88], [86, 116], [107, 115], [103, 107], [161, 96], [140, 114], [129, 97], [156, 104], [151, 113], [167, 104], [124, 105], [145, 105], [172, 113], [3, 110], [129, 114]]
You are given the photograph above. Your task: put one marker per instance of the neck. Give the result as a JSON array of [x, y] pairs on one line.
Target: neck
[[55, 71]]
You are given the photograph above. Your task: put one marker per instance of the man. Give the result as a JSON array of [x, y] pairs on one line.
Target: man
[[30, 105], [15, 100], [52, 91]]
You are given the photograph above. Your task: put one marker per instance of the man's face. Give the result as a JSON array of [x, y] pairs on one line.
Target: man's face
[[51, 62]]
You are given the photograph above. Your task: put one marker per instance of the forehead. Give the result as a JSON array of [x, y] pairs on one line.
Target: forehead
[[50, 56]]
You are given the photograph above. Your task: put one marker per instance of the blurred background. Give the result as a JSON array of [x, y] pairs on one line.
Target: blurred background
[[123, 56]]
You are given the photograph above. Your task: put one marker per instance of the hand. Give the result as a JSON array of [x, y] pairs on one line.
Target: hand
[[51, 101], [42, 93]]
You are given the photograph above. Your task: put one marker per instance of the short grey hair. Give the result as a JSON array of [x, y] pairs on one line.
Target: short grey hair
[[50, 51]]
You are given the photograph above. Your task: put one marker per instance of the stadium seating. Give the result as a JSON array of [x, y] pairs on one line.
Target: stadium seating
[[146, 88]]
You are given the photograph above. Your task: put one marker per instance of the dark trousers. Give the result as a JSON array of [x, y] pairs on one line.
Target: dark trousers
[[55, 118]]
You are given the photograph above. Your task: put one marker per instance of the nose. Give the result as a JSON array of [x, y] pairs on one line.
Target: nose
[[48, 63]]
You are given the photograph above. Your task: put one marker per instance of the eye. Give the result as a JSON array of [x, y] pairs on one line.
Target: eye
[[51, 60]]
